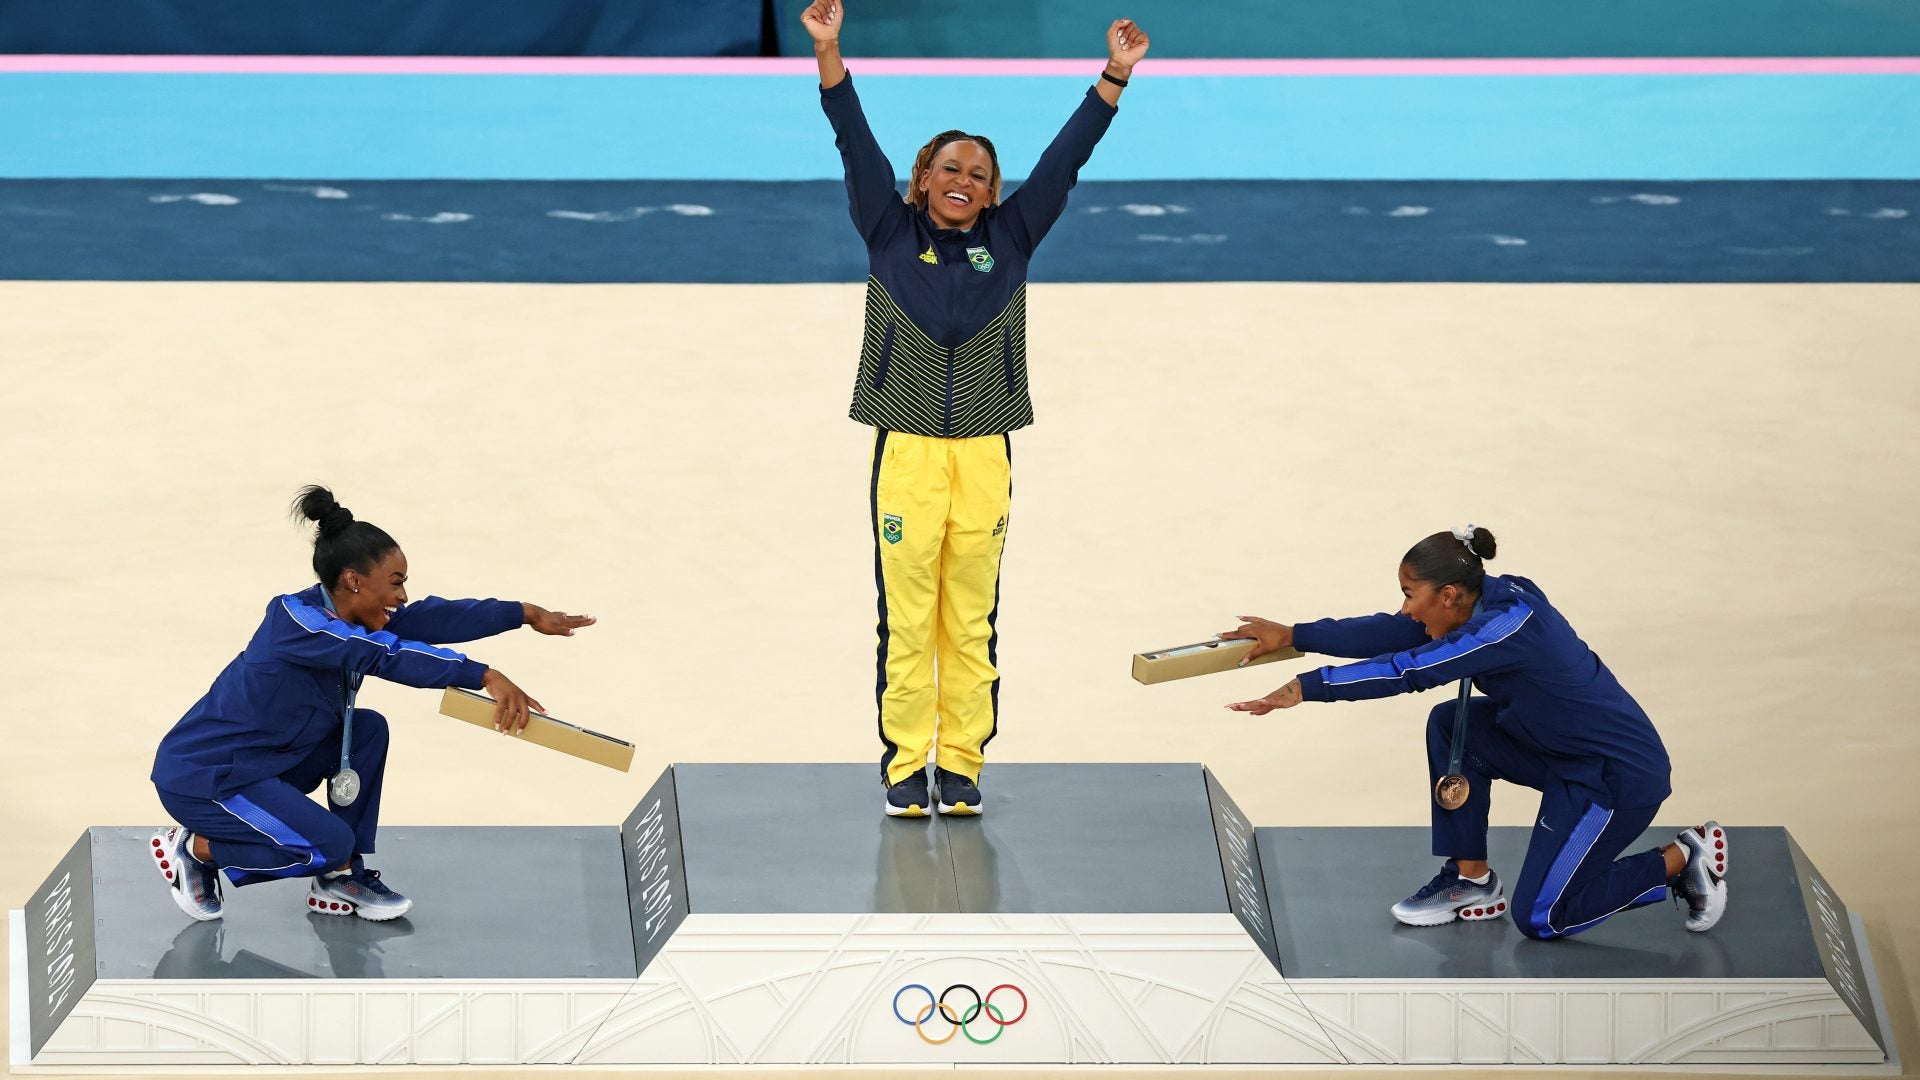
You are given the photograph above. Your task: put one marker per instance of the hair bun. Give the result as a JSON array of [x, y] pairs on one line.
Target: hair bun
[[317, 504], [335, 519], [1483, 543]]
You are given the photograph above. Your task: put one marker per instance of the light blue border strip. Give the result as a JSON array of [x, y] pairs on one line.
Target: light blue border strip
[[1675, 127]]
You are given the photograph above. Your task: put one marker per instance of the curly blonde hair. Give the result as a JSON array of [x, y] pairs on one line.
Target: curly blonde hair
[[924, 161]]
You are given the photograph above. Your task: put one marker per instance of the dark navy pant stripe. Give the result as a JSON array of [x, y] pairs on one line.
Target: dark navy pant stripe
[[880, 586]]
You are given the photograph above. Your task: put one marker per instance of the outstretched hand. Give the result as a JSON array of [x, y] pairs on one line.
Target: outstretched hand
[[822, 19], [555, 623], [1126, 44], [1284, 698]]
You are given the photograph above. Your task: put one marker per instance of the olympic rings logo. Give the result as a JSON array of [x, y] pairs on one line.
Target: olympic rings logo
[[959, 1023]]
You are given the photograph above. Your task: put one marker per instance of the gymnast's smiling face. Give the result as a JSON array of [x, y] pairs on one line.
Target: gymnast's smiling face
[[374, 595], [1441, 611], [958, 183]]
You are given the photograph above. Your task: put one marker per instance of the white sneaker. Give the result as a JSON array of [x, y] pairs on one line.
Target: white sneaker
[[1702, 882]]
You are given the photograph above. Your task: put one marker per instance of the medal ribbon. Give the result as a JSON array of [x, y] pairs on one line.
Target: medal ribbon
[[1458, 751], [352, 688]]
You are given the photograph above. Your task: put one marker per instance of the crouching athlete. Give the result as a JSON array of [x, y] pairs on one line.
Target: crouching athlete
[[1552, 717], [279, 722]]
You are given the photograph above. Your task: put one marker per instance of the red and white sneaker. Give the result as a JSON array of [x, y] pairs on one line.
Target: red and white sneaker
[[194, 885], [358, 892], [1702, 882], [1449, 896]]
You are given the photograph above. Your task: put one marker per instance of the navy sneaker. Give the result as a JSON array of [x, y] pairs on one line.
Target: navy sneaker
[[1449, 896], [357, 892], [956, 794], [908, 798]]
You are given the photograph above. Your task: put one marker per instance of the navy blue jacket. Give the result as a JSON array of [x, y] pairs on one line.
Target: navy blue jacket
[[287, 691], [944, 351], [1552, 693]]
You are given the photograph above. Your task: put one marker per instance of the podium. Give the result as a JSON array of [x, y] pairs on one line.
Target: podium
[[770, 914]]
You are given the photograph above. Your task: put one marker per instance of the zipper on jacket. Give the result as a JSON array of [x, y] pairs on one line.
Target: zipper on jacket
[[947, 427], [953, 290]]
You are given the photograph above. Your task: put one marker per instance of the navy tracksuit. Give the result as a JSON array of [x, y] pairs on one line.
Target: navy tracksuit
[[1552, 718], [238, 766]]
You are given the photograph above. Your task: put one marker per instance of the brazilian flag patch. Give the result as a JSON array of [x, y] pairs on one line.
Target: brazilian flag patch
[[981, 258], [890, 528]]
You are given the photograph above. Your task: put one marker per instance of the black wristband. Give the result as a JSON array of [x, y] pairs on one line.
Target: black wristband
[[1117, 82]]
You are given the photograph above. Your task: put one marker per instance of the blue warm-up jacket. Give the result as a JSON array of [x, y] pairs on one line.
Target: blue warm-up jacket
[[287, 691], [1551, 692], [944, 351]]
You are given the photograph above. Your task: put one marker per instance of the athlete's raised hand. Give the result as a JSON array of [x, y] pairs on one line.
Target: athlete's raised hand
[[822, 20], [1126, 44]]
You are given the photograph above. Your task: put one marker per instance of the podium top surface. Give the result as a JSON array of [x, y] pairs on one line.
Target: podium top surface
[[1091, 839], [489, 903], [1330, 889]]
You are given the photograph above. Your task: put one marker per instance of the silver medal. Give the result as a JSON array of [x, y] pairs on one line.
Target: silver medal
[[344, 787]]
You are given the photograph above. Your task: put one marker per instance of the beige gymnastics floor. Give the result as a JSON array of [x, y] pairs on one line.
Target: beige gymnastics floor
[[1715, 483]]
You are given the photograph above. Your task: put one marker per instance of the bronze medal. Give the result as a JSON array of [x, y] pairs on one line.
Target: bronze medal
[[1451, 790]]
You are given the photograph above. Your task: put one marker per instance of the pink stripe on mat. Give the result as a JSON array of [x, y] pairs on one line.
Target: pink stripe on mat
[[607, 65]]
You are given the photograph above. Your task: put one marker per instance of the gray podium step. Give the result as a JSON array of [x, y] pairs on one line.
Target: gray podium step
[[1332, 920], [473, 926], [1051, 842], [723, 839], [1329, 890]]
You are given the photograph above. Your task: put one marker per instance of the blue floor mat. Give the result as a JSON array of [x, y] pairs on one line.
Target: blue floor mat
[[1144, 231]]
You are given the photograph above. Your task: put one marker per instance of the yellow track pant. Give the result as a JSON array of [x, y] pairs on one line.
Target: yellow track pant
[[939, 524]]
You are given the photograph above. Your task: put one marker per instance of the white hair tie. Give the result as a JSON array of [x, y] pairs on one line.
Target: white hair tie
[[1465, 536]]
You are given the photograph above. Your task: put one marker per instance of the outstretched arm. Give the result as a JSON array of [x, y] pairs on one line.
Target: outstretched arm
[[1489, 641], [445, 622], [1357, 639], [315, 638], [1361, 638], [1031, 211], [872, 199]]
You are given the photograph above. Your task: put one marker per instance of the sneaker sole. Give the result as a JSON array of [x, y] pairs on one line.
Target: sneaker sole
[[1471, 913], [916, 810], [960, 810], [321, 905], [1713, 843], [168, 864]]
